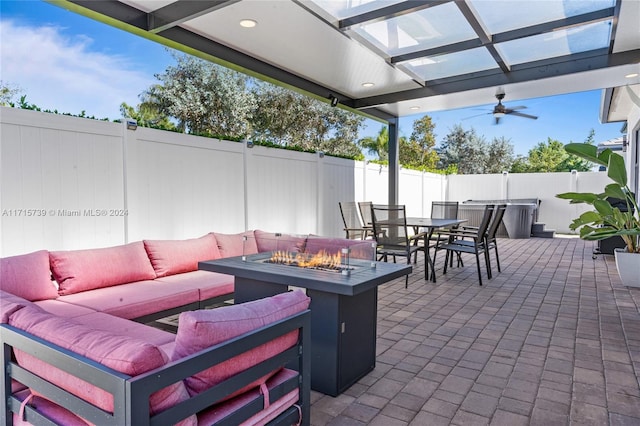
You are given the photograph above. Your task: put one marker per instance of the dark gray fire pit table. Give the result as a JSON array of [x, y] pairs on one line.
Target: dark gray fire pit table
[[343, 310]]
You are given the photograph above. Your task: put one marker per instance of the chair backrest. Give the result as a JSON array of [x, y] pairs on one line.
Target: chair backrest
[[444, 210], [390, 225], [365, 212], [486, 219], [495, 221], [351, 219]]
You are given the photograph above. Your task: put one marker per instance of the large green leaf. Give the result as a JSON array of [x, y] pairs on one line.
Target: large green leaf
[[614, 190], [616, 169], [586, 151], [603, 207], [579, 197]]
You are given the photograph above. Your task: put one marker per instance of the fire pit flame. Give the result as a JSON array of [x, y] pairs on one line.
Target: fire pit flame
[[321, 260]]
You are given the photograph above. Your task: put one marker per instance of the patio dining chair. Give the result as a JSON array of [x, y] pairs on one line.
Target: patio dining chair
[[491, 242], [365, 212], [353, 226], [392, 237], [469, 240]]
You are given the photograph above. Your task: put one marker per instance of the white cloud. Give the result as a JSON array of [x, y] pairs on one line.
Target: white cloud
[[57, 72]]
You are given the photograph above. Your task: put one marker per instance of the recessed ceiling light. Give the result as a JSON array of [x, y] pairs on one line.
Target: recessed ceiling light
[[368, 84], [414, 108], [632, 75], [248, 23]]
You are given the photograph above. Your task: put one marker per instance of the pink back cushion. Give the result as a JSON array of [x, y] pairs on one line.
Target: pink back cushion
[[234, 245], [80, 270], [198, 330], [268, 241], [28, 276], [170, 257], [118, 352]]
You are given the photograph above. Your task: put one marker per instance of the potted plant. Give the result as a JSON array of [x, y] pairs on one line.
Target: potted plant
[[606, 220]]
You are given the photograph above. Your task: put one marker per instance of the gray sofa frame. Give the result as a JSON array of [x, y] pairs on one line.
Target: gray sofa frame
[[131, 394]]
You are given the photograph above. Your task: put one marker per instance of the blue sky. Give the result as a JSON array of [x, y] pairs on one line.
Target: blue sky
[[63, 61]]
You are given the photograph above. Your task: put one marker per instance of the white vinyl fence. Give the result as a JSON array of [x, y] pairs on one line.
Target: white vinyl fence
[[69, 183]]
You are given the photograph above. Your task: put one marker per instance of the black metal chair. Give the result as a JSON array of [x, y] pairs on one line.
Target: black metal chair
[[469, 240], [353, 226], [491, 241], [392, 237]]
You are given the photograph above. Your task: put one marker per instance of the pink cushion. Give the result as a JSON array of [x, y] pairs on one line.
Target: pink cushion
[[218, 412], [201, 329], [268, 241], [119, 352], [359, 249], [53, 411], [208, 284], [28, 276], [134, 300], [9, 303], [80, 270], [170, 257], [234, 245]]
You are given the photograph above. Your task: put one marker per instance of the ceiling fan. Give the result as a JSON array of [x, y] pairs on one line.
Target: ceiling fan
[[501, 110]]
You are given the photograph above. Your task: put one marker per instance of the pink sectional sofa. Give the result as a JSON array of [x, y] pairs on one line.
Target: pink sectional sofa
[[77, 350]]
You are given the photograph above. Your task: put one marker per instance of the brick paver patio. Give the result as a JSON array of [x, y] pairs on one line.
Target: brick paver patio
[[554, 339]]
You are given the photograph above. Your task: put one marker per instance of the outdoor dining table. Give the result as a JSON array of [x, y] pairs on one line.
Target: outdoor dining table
[[430, 226]]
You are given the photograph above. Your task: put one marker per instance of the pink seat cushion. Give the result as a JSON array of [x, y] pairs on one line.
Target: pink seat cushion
[[134, 300], [118, 352], [201, 329], [9, 303], [235, 245], [53, 411], [28, 276], [170, 257], [208, 284], [218, 412], [269, 241], [80, 270]]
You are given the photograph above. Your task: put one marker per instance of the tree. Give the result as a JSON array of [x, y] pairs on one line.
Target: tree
[[419, 150], [203, 97], [499, 155], [465, 149], [147, 115], [378, 146], [551, 156], [291, 119], [7, 92]]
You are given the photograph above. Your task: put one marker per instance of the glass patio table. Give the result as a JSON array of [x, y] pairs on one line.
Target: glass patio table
[[431, 225]]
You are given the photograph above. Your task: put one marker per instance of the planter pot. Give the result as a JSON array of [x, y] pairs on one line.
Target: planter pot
[[628, 265]]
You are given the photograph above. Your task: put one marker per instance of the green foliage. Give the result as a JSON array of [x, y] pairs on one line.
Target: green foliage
[[148, 115], [203, 97], [378, 146], [551, 156], [7, 93], [471, 154], [605, 220]]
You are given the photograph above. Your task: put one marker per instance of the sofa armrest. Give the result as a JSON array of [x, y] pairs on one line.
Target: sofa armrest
[[131, 394]]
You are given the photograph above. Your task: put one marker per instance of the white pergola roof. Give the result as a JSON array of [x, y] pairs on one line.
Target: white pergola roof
[[392, 58]]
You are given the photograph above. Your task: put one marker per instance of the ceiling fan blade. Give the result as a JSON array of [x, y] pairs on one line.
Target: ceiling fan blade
[[519, 114], [477, 115], [517, 107]]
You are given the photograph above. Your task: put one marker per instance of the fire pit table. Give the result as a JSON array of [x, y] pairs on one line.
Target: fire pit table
[[344, 307]]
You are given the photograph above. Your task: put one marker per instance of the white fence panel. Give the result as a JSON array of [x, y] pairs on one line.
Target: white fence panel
[[410, 189], [66, 183], [475, 187], [281, 190], [59, 175], [182, 186]]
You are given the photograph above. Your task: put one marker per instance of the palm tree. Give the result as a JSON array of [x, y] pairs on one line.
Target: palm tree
[[377, 146]]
